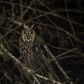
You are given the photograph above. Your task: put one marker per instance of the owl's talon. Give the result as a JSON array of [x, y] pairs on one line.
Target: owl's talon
[[29, 70]]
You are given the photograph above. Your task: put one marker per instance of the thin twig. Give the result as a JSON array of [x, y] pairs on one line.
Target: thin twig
[[43, 12], [66, 52], [71, 25], [21, 10], [47, 79], [57, 63]]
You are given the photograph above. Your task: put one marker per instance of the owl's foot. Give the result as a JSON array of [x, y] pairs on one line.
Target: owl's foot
[[30, 70]]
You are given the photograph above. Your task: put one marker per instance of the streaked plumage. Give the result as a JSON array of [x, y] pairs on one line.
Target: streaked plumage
[[30, 50]]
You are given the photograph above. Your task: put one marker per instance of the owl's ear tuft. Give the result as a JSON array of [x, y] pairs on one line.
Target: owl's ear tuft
[[32, 27], [23, 26]]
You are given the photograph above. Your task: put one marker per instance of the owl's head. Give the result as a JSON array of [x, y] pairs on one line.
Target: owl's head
[[28, 34]]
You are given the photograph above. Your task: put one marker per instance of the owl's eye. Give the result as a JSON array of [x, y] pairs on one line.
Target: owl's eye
[[25, 34], [31, 34]]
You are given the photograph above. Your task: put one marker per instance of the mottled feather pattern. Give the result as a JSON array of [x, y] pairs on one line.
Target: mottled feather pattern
[[31, 53]]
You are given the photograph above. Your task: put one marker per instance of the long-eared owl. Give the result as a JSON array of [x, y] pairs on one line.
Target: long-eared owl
[[30, 50]]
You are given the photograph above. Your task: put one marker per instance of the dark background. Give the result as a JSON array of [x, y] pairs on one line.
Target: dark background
[[52, 27]]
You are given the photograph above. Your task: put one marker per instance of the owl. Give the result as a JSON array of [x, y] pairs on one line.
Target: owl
[[30, 50]]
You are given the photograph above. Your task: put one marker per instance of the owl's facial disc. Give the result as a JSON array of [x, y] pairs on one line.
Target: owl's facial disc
[[29, 35]]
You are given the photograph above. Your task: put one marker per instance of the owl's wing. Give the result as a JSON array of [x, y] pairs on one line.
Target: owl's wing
[[38, 55]]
